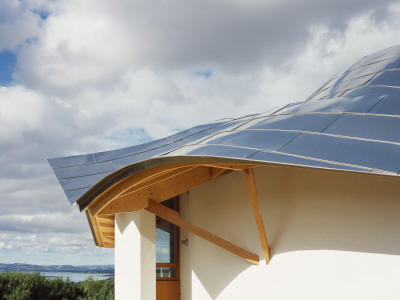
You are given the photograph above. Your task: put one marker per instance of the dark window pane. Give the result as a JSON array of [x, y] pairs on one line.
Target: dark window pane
[[167, 236]]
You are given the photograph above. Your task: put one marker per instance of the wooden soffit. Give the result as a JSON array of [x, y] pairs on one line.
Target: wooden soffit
[[159, 184]]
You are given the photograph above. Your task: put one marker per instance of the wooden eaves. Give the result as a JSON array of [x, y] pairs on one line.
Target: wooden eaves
[[145, 190]]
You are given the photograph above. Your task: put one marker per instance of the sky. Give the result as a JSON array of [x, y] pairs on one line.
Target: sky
[[86, 76]]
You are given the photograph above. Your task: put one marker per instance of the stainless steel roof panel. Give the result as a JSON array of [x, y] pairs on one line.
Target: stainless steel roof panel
[[71, 160], [80, 182], [345, 85], [387, 64], [371, 90], [301, 161], [258, 139], [213, 150], [83, 170], [378, 56], [361, 104], [108, 155], [387, 78], [390, 105], [374, 155], [130, 159], [74, 195], [113, 154], [302, 122], [373, 127]]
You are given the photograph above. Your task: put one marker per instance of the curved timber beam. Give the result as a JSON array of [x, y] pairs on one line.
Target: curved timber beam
[[131, 193], [160, 183]]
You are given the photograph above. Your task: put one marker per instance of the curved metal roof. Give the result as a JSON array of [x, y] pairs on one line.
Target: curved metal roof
[[351, 123]]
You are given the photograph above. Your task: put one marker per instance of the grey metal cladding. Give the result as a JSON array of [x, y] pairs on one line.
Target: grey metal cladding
[[109, 155], [257, 139], [71, 160], [288, 107], [389, 105], [84, 170], [361, 104], [301, 161], [81, 182], [213, 150], [371, 90], [380, 128], [352, 123], [113, 154], [391, 63], [74, 195], [370, 154], [345, 85], [300, 122], [130, 159], [390, 52], [387, 78]]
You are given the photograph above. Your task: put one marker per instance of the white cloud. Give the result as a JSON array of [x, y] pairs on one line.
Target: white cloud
[[18, 24], [98, 75]]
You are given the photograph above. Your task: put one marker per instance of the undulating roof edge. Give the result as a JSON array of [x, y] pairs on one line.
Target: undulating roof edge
[[350, 124], [151, 163]]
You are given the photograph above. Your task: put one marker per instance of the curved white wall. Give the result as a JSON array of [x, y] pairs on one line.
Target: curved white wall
[[333, 235]]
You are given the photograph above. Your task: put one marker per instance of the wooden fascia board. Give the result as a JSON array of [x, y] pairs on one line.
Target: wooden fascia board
[[251, 186], [94, 227], [169, 215]]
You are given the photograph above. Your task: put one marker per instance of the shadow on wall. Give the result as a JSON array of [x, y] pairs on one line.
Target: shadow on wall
[[202, 260], [302, 208], [308, 209]]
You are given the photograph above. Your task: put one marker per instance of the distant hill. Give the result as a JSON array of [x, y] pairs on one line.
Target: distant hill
[[57, 268]]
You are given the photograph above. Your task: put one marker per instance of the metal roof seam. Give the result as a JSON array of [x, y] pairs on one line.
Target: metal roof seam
[[384, 96], [362, 66]]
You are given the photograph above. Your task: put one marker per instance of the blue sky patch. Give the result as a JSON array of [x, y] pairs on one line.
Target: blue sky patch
[[7, 65], [43, 14], [205, 74], [129, 137]]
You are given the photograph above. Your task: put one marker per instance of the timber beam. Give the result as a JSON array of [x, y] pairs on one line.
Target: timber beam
[[251, 186], [171, 216]]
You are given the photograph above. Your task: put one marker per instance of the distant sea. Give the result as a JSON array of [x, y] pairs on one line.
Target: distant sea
[[77, 276], [74, 273]]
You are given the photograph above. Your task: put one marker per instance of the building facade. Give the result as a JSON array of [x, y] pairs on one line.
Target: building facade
[[301, 201]]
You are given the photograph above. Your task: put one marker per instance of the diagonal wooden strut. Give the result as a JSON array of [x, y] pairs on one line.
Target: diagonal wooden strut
[[251, 186], [171, 216]]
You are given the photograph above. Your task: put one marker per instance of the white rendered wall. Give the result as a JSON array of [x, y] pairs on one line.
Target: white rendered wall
[[333, 235], [135, 256]]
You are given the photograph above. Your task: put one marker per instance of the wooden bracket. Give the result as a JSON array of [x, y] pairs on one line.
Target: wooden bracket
[[251, 186], [171, 216]]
